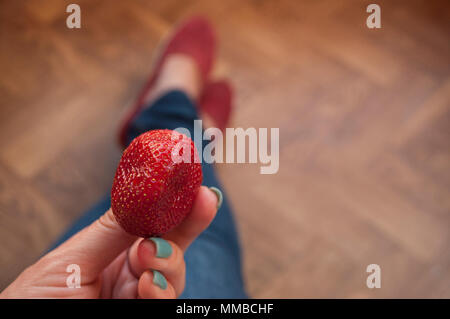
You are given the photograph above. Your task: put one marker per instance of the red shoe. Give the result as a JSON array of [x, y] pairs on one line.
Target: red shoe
[[216, 101], [195, 38]]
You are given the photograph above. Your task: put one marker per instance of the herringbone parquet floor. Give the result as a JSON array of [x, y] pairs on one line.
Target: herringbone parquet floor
[[364, 118]]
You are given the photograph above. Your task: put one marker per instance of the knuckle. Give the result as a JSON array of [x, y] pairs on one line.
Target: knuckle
[[106, 221]]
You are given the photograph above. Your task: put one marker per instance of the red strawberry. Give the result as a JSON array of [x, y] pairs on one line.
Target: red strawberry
[[152, 191]]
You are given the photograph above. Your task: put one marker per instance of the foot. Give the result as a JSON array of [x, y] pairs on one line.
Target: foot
[[181, 72], [194, 40], [216, 104]]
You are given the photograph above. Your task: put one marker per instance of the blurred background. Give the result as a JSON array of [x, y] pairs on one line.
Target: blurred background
[[364, 118]]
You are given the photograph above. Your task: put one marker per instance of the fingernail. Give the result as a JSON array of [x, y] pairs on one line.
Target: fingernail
[[219, 196], [159, 280], [163, 248]]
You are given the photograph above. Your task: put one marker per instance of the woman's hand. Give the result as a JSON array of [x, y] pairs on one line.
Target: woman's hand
[[114, 264]]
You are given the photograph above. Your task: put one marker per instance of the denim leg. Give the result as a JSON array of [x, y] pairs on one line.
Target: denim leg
[[213, 261]]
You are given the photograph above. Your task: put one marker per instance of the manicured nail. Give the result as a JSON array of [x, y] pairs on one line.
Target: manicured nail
[[219, 196], [159, 280], [163, 248]]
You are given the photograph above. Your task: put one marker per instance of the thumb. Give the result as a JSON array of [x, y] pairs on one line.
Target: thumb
[[94, 247]]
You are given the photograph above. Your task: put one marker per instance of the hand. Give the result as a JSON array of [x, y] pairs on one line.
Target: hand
[[115, 264]]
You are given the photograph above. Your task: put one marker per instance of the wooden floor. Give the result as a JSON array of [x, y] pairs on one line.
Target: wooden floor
[[364, 118]]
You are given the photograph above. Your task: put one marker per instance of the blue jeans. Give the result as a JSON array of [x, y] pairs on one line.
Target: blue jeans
[[213, 261]]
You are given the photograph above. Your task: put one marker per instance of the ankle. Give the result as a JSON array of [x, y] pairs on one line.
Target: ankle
[[179, 72]]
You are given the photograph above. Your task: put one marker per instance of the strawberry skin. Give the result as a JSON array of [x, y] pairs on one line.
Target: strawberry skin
[[152, 193]]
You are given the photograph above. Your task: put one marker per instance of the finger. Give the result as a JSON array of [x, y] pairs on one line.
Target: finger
[[136, 266], [153, 285], [205, 207], [166, 257], [159, 254], [94, 247]]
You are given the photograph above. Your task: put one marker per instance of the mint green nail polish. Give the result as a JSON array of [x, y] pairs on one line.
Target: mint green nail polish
[[219, 196], [159, 280], [163, 248]]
